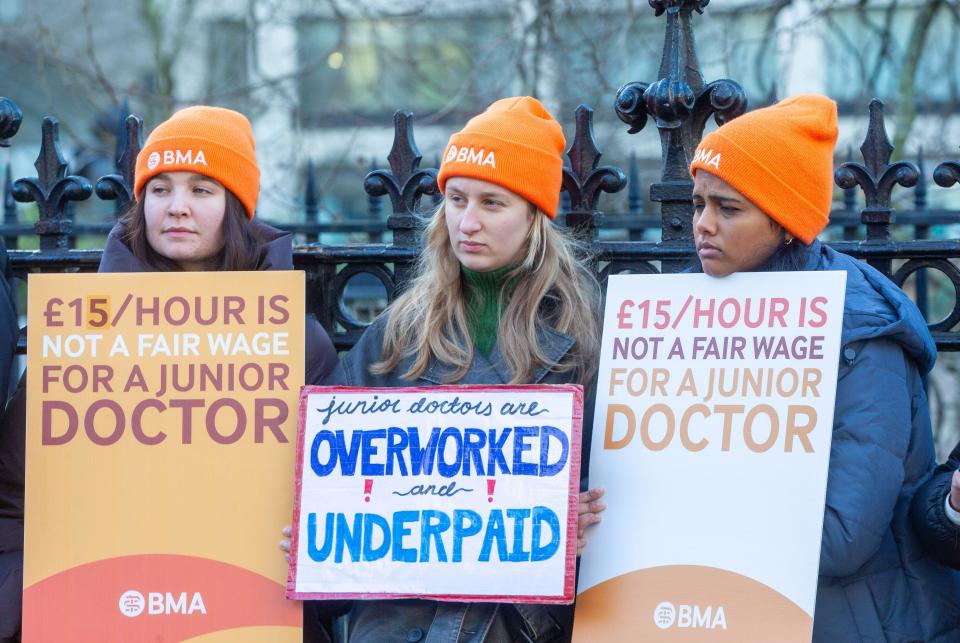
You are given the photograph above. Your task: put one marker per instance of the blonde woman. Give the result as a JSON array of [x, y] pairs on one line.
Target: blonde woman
[[499, 298]]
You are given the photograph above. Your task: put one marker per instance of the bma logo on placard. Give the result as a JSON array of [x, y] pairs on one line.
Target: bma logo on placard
[[666, 615], [133, 603]]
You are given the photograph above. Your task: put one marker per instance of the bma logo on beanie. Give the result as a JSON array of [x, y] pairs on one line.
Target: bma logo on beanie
[[515, 144], [212, 141], [708, 158], [780, 158], [470, 155], [176, 157]]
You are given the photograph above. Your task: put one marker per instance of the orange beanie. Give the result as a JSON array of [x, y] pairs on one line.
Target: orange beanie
[[213, 141], [781, 159], [516, 144]]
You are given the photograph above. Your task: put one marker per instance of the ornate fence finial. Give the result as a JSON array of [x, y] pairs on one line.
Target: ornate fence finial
[[121, 132], [405, 183], [584, 180], [680, 104], [877, 177], [51, 190], [119, 187], [10, 119]]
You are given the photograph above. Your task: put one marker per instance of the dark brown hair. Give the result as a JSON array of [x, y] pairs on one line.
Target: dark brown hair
[[243, 249]]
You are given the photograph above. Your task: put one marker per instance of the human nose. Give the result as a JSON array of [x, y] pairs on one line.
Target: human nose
[[470, 221], [705, 221], [179, 204]]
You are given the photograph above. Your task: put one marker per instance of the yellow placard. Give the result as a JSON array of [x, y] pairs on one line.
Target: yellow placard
[[160, 454]]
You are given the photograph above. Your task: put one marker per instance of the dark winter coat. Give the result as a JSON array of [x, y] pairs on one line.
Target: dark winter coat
[[321, 357], [876, 582], [11, 559]]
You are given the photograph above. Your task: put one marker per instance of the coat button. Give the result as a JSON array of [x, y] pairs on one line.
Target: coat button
[[414, 635], [849, 355]]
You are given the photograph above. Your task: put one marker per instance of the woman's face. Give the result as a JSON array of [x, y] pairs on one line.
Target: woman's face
[[731, 233], [488, 224], [184, 214]]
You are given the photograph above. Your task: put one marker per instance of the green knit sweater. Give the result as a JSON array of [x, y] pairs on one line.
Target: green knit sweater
[[483, 304]]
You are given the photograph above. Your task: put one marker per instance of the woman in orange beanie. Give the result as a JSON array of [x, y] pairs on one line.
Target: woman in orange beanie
[[763, 186], [499, 298], [196, 187]]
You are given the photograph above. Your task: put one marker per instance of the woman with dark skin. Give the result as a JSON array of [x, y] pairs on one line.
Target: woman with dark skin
[[763, 186]]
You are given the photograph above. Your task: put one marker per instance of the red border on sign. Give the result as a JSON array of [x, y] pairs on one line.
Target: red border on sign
[[574, 486]]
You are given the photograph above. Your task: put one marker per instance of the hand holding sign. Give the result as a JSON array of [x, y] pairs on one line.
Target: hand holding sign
[[588, 513], [285, 542]]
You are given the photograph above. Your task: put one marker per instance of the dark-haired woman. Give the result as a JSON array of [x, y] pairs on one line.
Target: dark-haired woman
[[196, 186]]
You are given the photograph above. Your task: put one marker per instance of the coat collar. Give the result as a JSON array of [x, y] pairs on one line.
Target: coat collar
[[493, 370]]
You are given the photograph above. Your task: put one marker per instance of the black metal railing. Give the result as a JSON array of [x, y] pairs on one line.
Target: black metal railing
[[679, 103]]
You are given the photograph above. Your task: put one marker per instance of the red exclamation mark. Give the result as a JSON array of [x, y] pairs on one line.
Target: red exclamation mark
[[367, 489], [490, 485]]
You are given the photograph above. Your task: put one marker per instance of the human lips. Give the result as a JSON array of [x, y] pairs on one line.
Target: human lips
[[708, 251], [472, 246], [177, 231]]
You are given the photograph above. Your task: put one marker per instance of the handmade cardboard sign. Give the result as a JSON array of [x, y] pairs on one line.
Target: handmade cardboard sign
[[160, 453], [450, 493], [711, 438]]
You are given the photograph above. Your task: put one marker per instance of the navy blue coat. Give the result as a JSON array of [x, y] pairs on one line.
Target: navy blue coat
[[876, 581]]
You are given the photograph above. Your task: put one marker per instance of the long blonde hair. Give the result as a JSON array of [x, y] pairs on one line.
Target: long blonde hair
[[551, 287]]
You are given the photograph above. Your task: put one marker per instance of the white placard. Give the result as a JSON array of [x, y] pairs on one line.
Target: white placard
[[712, 439], [451, 493]]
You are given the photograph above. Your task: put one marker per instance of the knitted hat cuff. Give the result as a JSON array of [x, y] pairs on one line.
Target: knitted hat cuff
[[515, 143], [532, 173], [211, 141], [753, 180]]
